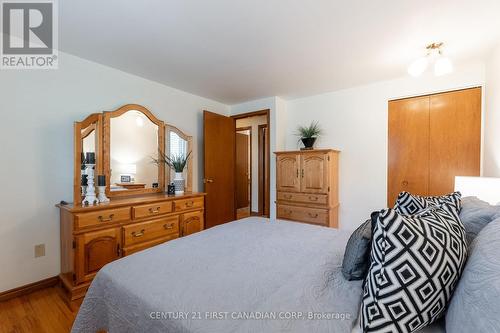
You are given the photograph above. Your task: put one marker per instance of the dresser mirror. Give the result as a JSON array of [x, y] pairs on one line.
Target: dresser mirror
[[125, 143], [179, 144], [133, 138], [87, 141]]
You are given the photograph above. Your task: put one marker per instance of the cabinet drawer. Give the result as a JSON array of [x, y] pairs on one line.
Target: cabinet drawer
[[192, 222], [146, 245], [185, 204], [320, 199], [149, 230], [152, 209], [102, 217], [303, 214]]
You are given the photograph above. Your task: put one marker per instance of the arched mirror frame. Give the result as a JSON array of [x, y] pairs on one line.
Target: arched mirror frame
[[189, 172], [92, 122], [107, 149]]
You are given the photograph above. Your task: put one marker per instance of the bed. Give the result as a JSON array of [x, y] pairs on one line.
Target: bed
[[250, 275]]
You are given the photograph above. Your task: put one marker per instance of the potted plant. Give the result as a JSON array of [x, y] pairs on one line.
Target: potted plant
[[177, 163], [309, 134]]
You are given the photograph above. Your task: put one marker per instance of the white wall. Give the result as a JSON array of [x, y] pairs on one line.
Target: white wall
[[38, 108], [355, 122], [492, 116], [254, 123]]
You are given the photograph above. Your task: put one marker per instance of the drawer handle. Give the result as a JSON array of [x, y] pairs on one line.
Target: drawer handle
[[288, 196], [154, 211], [404, 183], [102, 219], [168, 226], [313, 215], [138, 234], [313, 198], [189, 204]]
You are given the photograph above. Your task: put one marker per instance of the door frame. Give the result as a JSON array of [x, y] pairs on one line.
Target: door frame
[[266, 112], [263, 173], [239, 129]]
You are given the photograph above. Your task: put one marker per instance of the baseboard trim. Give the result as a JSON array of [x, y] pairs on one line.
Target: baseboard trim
[[29, 288]]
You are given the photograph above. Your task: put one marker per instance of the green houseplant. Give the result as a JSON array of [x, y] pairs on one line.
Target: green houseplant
[[177, 163], [309, 134]]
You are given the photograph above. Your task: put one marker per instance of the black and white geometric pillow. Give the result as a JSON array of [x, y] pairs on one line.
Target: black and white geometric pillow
[[410, 204], [416, 262]]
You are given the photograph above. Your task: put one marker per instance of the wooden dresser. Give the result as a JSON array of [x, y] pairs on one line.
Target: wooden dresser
[[307, 186], [93, 236]]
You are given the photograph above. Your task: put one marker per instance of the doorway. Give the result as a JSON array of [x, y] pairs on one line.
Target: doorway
[[252, 157]]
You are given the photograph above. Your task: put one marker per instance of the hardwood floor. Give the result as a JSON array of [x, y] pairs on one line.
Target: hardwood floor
[[43, 311]]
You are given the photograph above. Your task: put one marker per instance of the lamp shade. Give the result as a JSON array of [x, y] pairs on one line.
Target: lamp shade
[[485, 188], [418, 67], [443, 66]]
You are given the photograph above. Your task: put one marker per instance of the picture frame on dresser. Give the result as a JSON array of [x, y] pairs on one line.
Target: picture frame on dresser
[[140, 213]]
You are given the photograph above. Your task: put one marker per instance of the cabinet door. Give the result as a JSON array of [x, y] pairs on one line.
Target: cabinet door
[[314, 173], [455, 138], [94, 250], [287, 173], [408, 155], [192, 222]]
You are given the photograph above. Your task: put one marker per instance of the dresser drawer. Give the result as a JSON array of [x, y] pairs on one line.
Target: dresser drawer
[[321, 199], [101, 217], [303, 214], [186, 204], [149, 230], [150, 210], [146, 245]]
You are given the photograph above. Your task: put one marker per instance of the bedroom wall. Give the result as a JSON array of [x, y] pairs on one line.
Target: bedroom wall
[[355, 122], [492, 117], [38, 108]]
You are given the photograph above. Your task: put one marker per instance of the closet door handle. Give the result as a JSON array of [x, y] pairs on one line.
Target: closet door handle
[[302, 173], [297, 173]]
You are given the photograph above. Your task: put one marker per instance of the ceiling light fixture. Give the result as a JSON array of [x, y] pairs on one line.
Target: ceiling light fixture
[[442, 64]]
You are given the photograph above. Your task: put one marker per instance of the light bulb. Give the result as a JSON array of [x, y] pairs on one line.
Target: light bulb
[[443, 66], [418, 66]]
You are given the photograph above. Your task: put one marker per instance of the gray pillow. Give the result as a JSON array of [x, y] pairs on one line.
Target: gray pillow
[[476, 302], [357, 253], [475, 215]]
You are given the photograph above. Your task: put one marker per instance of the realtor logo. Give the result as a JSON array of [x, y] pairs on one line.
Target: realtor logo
[[29, 35]]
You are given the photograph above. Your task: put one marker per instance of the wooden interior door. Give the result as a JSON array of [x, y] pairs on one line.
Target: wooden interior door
[[263, 171], [242, 170], [287, 173], [219, 168], [408, 151], [314, 175], [94, 250], [455, 138]]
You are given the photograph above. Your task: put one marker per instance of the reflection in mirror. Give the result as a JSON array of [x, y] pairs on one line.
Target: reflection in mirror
[[133, 143], [88, 140], [178, 147]]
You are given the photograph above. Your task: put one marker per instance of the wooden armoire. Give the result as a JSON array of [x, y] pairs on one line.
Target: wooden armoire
[[307, 186], [431, 140]]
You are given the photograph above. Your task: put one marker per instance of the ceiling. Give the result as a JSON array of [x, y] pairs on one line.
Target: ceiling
[[238, 50]]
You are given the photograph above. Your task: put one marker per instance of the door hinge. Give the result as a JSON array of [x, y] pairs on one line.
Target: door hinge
[[74, 244]]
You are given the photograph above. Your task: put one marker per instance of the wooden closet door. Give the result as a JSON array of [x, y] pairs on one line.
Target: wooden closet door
[[314, 173], [287, 173], [408, 153], [455, 138]]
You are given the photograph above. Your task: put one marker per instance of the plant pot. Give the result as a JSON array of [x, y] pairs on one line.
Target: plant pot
[[308, 142], [179, 183]]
